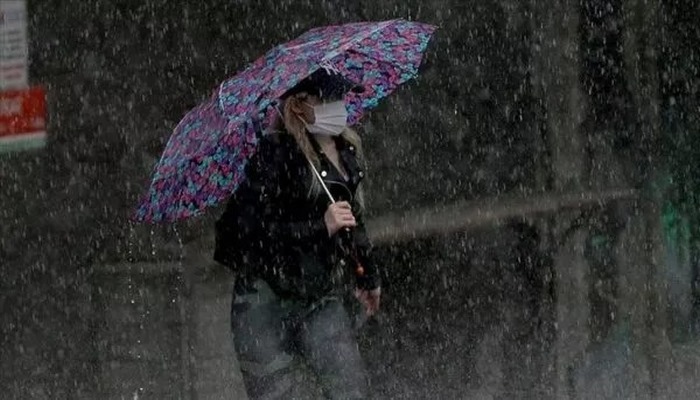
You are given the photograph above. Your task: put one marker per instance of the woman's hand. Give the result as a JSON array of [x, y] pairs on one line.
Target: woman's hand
[[338, 216], [369, 299]]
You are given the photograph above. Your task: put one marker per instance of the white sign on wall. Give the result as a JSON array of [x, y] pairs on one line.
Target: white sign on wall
[[14, 50]]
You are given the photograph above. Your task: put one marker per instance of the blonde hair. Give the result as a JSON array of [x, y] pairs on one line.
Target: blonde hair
[[293, 125]]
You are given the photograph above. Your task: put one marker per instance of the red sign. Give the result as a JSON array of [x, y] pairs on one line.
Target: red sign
[[22, 112], [22, 119]]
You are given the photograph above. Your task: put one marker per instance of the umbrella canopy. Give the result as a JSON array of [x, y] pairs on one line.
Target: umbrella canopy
[[204, 160]]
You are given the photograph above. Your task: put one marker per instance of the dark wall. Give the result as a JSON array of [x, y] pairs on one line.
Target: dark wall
[[465, 315], [119, 75]]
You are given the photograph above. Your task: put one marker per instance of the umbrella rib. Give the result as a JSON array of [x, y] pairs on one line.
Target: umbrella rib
[[347, 46]]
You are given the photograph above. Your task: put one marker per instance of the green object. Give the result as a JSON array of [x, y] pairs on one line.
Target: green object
[[22, 143]]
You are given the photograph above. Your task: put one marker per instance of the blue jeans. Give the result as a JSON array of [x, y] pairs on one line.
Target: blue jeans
[[289, 349]]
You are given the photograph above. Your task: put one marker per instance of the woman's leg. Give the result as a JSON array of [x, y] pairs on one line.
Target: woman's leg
[[331, 350], [260, 336]]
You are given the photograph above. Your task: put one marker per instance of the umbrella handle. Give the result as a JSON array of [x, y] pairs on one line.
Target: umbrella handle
[[320, 180]]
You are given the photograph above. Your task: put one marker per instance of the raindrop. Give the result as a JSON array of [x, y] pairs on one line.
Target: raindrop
[[131, 238], [153, 244]]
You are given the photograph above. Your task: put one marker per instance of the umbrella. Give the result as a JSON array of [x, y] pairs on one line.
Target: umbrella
[[205, 158]]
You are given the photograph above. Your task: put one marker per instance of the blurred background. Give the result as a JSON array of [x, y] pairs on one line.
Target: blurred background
[[533, 196]]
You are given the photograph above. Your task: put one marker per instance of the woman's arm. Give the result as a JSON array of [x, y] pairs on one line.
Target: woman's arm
[[368, 290], [370, 278]]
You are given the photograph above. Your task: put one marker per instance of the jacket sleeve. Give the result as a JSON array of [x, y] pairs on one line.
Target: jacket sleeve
[[371, 277]]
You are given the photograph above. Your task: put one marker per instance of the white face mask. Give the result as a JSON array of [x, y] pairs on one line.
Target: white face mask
[[331, 118]]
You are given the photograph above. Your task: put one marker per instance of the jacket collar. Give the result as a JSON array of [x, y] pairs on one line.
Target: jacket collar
[[348, 157]]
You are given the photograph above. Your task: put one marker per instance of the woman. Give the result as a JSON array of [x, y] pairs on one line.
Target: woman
[[296, 253]]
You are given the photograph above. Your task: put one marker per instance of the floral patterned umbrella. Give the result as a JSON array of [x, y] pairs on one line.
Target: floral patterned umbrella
[[204, 160]]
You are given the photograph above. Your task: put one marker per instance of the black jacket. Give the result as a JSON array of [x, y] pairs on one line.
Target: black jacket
[[273, 229]]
